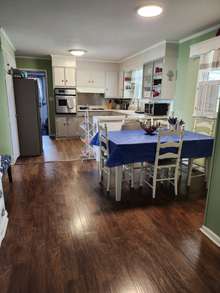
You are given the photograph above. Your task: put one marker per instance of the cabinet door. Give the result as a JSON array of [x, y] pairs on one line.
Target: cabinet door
[[58, 76], [70, 76], [73, 126], [83, 78], [61, 127], [111, 84], [121, 85], [98, 79]]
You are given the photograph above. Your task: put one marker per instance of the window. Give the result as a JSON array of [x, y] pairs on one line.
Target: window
[[208, 87]]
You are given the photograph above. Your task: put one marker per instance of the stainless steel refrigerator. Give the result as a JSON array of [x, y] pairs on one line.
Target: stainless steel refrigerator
[[28, 116]]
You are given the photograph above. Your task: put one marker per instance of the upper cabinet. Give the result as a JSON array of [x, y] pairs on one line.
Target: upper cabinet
[[64, 72], [111, 84], [90, 81]]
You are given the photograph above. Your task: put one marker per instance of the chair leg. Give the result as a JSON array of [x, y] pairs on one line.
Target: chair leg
[[9, 174], [108, 180], [100, 171], [141, 175], [206, 169], [132, 175], [154, 183], [189, 177], [176, 181]]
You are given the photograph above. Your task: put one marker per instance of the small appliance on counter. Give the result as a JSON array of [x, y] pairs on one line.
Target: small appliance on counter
[[157, 109], [66, 102]]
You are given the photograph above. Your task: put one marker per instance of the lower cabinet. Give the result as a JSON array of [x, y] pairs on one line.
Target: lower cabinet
[[67, 126]]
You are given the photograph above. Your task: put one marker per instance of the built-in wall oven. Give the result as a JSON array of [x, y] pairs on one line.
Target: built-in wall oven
[[66, 101]]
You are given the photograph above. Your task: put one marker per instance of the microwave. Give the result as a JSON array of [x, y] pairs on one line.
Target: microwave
[[157, 109]]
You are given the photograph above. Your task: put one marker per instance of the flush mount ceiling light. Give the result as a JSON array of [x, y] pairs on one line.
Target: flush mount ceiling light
[[77, 52], [149, 10]]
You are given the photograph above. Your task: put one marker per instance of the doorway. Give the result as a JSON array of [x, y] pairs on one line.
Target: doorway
[[41, 78]]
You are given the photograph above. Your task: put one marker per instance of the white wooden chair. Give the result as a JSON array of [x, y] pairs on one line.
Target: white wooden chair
[[104, 154], [163, 122], [167, 159], [133, 124], [204, 126]]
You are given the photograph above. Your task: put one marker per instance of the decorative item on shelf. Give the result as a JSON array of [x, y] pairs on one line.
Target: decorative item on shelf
[[149, 126], [158, 70]]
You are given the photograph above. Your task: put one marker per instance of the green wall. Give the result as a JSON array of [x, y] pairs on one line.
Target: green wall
[[212, 217], [5, 135], [42, 64], [187, 71]]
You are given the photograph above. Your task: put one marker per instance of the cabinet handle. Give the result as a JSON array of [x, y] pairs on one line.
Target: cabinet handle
[[66, 80], [1, 193], [62, 80], [3, 212]]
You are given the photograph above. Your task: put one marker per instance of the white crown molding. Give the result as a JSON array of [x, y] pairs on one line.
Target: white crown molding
[[33, 57], [142, 51], [211, 235], [203, 32], [3, 33], [82, 59]]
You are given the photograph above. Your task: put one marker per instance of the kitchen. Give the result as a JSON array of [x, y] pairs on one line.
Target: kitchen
[[109, 146]]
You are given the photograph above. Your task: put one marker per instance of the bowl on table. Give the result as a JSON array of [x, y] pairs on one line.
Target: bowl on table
[[149, 128]]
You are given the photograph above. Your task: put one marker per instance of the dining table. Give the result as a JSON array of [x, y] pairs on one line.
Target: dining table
[[135, 146]]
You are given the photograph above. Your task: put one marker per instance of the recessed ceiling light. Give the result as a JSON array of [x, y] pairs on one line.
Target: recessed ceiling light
[[150, 10], [77, 52]]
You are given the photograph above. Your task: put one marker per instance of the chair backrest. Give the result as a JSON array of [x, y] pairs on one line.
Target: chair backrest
[[163, 122], [204, 126], [169, 145], [103, 140], [131, 124]]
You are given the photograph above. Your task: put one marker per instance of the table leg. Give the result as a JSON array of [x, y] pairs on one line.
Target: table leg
[[118, 182]]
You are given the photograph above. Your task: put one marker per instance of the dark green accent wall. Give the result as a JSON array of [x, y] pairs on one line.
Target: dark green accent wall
[[187, 72], [5, 133], [41, 64], [212, 217]]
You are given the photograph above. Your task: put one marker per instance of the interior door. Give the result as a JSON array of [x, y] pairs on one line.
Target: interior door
[[10, 62], [59, 76], [70, 76]]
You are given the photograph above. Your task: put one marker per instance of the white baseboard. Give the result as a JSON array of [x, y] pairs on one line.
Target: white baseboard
[[211, 235]]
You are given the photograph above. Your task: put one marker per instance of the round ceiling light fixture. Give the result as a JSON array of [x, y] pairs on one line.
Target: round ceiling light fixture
[[149, 10], [77, 52]]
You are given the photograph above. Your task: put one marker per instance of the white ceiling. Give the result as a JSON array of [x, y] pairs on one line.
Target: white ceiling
[[108, 29]]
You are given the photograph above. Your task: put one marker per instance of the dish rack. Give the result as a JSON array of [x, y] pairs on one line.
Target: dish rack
[[87, 152]]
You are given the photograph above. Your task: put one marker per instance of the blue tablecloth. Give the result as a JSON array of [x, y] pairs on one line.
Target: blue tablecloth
[[132, 146]]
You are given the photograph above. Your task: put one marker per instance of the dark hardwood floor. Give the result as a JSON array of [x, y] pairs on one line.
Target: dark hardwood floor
[[66, 234]]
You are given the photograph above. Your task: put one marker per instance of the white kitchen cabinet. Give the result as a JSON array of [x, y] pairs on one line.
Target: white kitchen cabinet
[[64, 76], [67, 127], [58, 76], [61, 127], [90, 80], [111, 84], [70, 76]]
